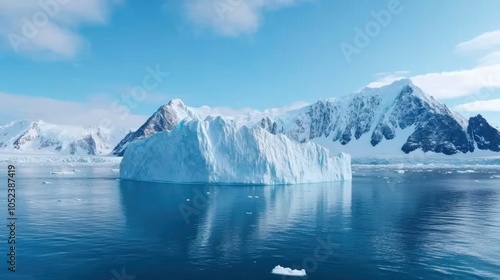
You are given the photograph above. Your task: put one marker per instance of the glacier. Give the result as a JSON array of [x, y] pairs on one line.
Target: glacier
[[219, 150]]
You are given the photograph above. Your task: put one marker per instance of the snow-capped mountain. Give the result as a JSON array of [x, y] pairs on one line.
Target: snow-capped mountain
[[39, 137], [164, 119], [395, 119]]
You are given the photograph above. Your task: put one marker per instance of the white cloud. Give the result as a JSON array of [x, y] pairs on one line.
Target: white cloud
[[249, 113], [50, 27], [93, 112], [451, 84], [490, 59], [386, 78], [484, 41], [480, 106], [231, 17]]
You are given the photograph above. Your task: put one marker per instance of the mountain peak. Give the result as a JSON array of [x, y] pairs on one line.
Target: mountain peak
[[176, 102]]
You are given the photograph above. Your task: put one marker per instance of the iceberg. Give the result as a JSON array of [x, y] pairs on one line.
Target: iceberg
[[219, 150], [286, 271]]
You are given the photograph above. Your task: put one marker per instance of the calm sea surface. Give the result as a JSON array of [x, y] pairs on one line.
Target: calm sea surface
[[427, 224]]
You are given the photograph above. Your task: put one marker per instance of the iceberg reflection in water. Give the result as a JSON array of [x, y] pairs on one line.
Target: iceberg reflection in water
[[214, 229]]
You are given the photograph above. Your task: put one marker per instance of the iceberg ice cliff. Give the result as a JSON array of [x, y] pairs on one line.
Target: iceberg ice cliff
[[218, 150]]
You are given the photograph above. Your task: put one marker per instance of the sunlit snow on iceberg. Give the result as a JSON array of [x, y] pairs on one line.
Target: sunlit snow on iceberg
[[219, 150]]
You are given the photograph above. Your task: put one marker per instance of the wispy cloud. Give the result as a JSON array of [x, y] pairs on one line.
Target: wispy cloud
[[49, 28], [92, 112], [484, 41], [451, 84], [227, 111], [232, 17], [490, 59], [492, 105], [386, 78]]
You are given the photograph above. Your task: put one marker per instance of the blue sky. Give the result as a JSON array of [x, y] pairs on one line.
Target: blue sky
[[86, 57]]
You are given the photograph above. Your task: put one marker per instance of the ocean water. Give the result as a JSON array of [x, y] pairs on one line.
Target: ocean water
[[421, 224]]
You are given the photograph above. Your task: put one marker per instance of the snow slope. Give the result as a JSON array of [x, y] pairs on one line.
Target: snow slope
[[40, 138], [219, 150]]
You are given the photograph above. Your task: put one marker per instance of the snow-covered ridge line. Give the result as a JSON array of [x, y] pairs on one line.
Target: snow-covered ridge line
[[42, 138]]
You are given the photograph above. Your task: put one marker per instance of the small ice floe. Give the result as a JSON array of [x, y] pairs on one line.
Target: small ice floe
[[466, 171], [250, 196], [288, 271], [477, 181], [256, 196], [249, 213], [116, 170], [46, 183], [495, 176], [78, 199], [187, 199], [386, 177], [400, 171], [62, 172], [208, 192]]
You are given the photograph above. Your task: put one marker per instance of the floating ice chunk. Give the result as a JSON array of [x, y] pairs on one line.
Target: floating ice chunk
[[249, 213], [288, 271], [62, 172], [477, 181], [47, 183], [250, 196], [400, 171], [208, 192], [78, 199], [187, 199], [256, 196], [116, 170], [466, 171], [495, 176]]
